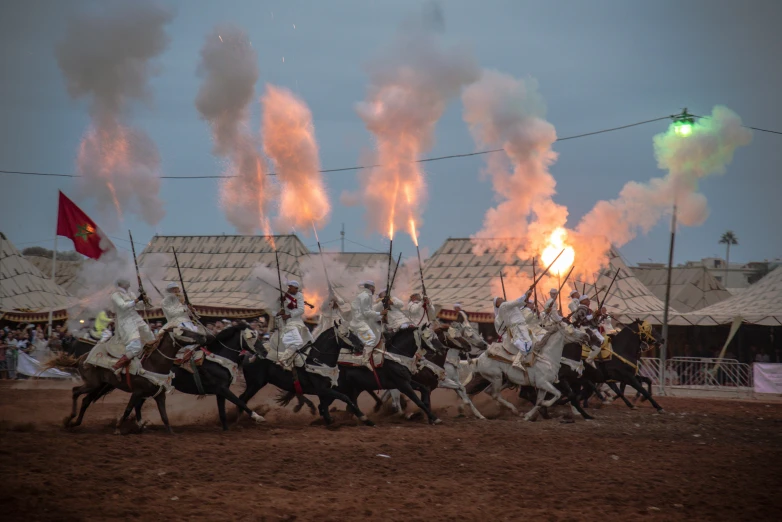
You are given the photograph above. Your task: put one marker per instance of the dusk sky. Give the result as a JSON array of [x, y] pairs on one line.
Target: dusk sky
[[598, 64]]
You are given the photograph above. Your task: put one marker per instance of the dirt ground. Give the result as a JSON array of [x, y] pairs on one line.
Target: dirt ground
[[702, 460]]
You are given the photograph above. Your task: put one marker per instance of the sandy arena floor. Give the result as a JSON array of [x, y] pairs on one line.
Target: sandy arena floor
[[702, 460]]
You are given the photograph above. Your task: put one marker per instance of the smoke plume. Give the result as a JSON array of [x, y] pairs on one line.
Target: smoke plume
[[107, 58], [708, 150], [410, 84], [289, 140], [229, 70], [509, 113]]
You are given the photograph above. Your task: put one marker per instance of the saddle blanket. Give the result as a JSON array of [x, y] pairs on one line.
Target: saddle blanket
[[439, 372], [498, 352], [605, 351], [199, 355], [106, 355], [348, 358], [330, 372]]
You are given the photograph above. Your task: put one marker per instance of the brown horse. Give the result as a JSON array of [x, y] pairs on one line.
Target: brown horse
[[158, 358]]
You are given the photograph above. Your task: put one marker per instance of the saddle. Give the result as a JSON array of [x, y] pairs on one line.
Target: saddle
[[106, 355], [606, 353], [498, 352]]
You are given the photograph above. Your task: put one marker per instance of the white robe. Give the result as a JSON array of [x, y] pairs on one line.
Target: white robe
[[177, 314], [511, 325], [133, 332], [365, 321], [329, 315], [573, 305], [295, 333], [417, 313], [551, 310], [396, 317]]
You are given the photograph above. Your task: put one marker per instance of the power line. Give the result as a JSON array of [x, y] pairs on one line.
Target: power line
[[361, 167], [364, 246], [747, 126]]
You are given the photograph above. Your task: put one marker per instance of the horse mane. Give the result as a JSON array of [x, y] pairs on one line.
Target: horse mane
[[547, 336]]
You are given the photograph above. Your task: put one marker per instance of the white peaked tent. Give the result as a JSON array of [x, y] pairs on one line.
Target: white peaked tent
[[24, 289], [628, 298], [692, 288], [760, 304]]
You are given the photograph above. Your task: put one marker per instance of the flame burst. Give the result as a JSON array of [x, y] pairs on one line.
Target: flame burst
[[411, 83], [557, 242], [289, 140]]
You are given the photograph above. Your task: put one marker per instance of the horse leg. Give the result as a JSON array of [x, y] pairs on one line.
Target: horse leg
[[494, 390], [533, 413], [638, 386], [76, 392], [221, 411], [621, 395], [135, 401], [406, 388], [223, 392], [139, 422], [302, 401], [352, 405], [572, 396], [378, 400], [160, 399], [461, 392], [85, 403], [396, 401]]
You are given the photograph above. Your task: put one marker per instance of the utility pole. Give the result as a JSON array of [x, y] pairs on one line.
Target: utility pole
[[342, 237], [664, 346]]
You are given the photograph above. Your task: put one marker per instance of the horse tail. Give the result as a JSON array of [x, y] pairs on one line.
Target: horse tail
[[61, 361], [285, 398]]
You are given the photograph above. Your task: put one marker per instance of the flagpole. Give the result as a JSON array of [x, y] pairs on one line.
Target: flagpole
[[54, 271]]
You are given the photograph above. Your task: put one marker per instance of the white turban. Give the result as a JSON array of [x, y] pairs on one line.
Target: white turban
[[368, 282], [457, 305], [123, 282], [553, 291], [294, 284], [583, 298], [172, 285], [574, 293]]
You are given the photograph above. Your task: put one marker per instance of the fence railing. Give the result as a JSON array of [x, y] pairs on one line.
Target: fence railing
[[699, 373]]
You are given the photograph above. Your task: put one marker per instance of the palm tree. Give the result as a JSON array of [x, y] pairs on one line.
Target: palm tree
[[728, 239]]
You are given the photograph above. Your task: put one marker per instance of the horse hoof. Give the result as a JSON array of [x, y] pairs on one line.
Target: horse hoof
[[567, 421], [117, 432], [257, 418], [297, 408], [312, 411], [661, 411], [480, 417], [437, 421]]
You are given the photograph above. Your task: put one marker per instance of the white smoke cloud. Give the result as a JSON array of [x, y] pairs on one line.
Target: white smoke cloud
[[410, 84], [229, 70], [640, 206], [107, 57], [506, 112]]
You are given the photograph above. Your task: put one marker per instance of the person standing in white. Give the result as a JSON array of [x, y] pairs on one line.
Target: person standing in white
[[330, 313], [128, 322], [550, 309], [365, 321], [295, 334], [511, 326], [176, 312]]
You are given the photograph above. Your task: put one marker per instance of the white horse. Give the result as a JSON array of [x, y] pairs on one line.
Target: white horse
[[541, 375]]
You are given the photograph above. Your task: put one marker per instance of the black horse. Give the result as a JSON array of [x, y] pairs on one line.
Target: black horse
[[212, 378], [628, 345], [323, 352], [391, 375], [78, 346]]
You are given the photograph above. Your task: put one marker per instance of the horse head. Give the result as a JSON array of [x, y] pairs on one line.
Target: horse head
[[648, 336], [326, 348]]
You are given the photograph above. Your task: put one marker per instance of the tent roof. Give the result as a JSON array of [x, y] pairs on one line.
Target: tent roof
[[629, 297], [23, 287], [692, 288], [761, 304], [67, 275], [218, 270]]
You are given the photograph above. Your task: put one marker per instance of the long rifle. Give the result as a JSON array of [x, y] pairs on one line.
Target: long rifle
[[559, 290], [537, 280], [423, 288], [601, 303], [387, 297], [393, 277], [182, 284], [138, 274], [154, 286], [535, 290], [502, 281], [328, 281]]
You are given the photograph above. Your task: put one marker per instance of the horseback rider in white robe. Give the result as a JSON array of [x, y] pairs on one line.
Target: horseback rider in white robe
[[550, 309], [365, 321], [418, 310], [177, 312], [584, 318], [294, 334], [128, 323], [396, 317], [512, 328], [331, 312]]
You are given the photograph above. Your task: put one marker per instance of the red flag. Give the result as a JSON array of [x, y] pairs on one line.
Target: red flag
[[74, 224]]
